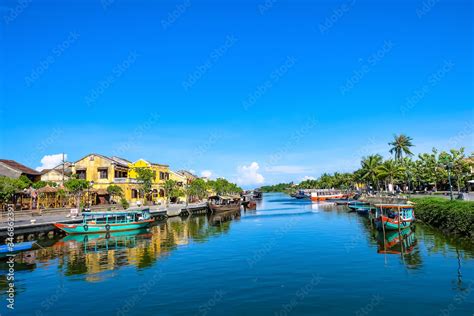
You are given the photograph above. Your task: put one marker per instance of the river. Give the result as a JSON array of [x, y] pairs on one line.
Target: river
[[290, 257]]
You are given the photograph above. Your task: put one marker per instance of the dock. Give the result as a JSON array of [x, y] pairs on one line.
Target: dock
[[29, 227]]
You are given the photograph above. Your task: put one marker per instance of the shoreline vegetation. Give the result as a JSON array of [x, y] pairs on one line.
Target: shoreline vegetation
[[428, 173], [451, 217]]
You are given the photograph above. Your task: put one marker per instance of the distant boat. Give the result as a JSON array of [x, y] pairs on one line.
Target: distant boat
[[301, 195], [393, 216], [364, 209], [105, 222], [221, 203], [326, 194], [257, 195]]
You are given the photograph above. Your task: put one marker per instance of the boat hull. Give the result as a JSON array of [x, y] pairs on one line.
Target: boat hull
[[223, 208], [102, 228], [326, 198], [383, 222]]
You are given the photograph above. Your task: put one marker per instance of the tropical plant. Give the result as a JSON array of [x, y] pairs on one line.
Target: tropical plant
[[401, 145], [389, 171], [172, 190], [198, 189], [124, 203], [370, 168]]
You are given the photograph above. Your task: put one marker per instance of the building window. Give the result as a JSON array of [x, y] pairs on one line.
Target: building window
[[120, 174], [134, 194], [81, 174], [162, 193], [103, 173], [162, 175]]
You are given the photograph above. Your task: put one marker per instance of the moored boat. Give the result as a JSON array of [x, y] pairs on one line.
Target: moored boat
[[16, 247], [105, 222], [354, 205], [393, 216], [221, 203], [326, 194]]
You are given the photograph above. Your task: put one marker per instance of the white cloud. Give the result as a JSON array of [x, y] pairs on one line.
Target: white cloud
[[192, 171], [287, 169], [248, 175], [51, 161], [206, 173], [308, 178]]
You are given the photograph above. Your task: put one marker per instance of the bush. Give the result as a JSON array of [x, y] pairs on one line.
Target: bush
[[456, 217], [124, 203]]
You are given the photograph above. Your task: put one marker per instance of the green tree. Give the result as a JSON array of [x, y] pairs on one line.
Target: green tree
[[8, 188], [115, 191], [370, 169], [400, 145], [145, 177], [172, 190], [198, 188], [76, 188], [389, 171]]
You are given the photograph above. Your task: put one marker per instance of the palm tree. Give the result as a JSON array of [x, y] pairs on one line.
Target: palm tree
[[401, 145], [390, 170], [370, 166]]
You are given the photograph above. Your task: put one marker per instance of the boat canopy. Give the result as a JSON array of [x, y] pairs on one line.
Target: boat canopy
[[394, 205], [224, 197], [121, 213]]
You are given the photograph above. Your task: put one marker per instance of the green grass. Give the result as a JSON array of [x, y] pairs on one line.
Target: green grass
[[454, 217]]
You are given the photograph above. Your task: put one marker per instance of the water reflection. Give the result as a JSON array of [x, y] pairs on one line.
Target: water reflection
[[92, 255]]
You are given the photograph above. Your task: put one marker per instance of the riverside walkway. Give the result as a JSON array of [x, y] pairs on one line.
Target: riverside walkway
[[28, 224]]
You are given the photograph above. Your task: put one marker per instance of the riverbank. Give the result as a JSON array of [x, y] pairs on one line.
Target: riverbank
[[451, 217]]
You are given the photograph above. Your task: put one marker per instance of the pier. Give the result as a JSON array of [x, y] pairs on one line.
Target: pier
[[29, 225]]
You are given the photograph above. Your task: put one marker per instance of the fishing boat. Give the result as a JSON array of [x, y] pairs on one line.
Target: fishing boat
[[354, 205], [257, 195], [302, 194], [393, 216], [221, 203], [364, 209], [105, 222], [248, 203], [326, 194]]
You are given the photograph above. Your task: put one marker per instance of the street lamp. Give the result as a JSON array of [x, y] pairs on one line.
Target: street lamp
[[449, 166]]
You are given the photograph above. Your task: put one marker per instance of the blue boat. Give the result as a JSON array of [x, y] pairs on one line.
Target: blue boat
[[356, 204], [108, 222], [20, 246]]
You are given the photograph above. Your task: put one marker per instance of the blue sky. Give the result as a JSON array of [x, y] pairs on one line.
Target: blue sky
[[255, 91]]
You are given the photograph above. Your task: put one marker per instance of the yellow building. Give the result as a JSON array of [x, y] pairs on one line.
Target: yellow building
[[162, 173], [102, 171]]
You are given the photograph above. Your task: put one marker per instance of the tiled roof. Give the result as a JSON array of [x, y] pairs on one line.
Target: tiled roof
[[18, 166]]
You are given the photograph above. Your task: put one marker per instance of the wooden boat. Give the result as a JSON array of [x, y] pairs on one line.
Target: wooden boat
[[364, 209], [393, 216], [302, 195], [257, 195], [354, 205], [17, 247], [326, 194], [221, 203], [105, 222]]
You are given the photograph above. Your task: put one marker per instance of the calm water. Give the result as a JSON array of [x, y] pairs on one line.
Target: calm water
[[287, 258]]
